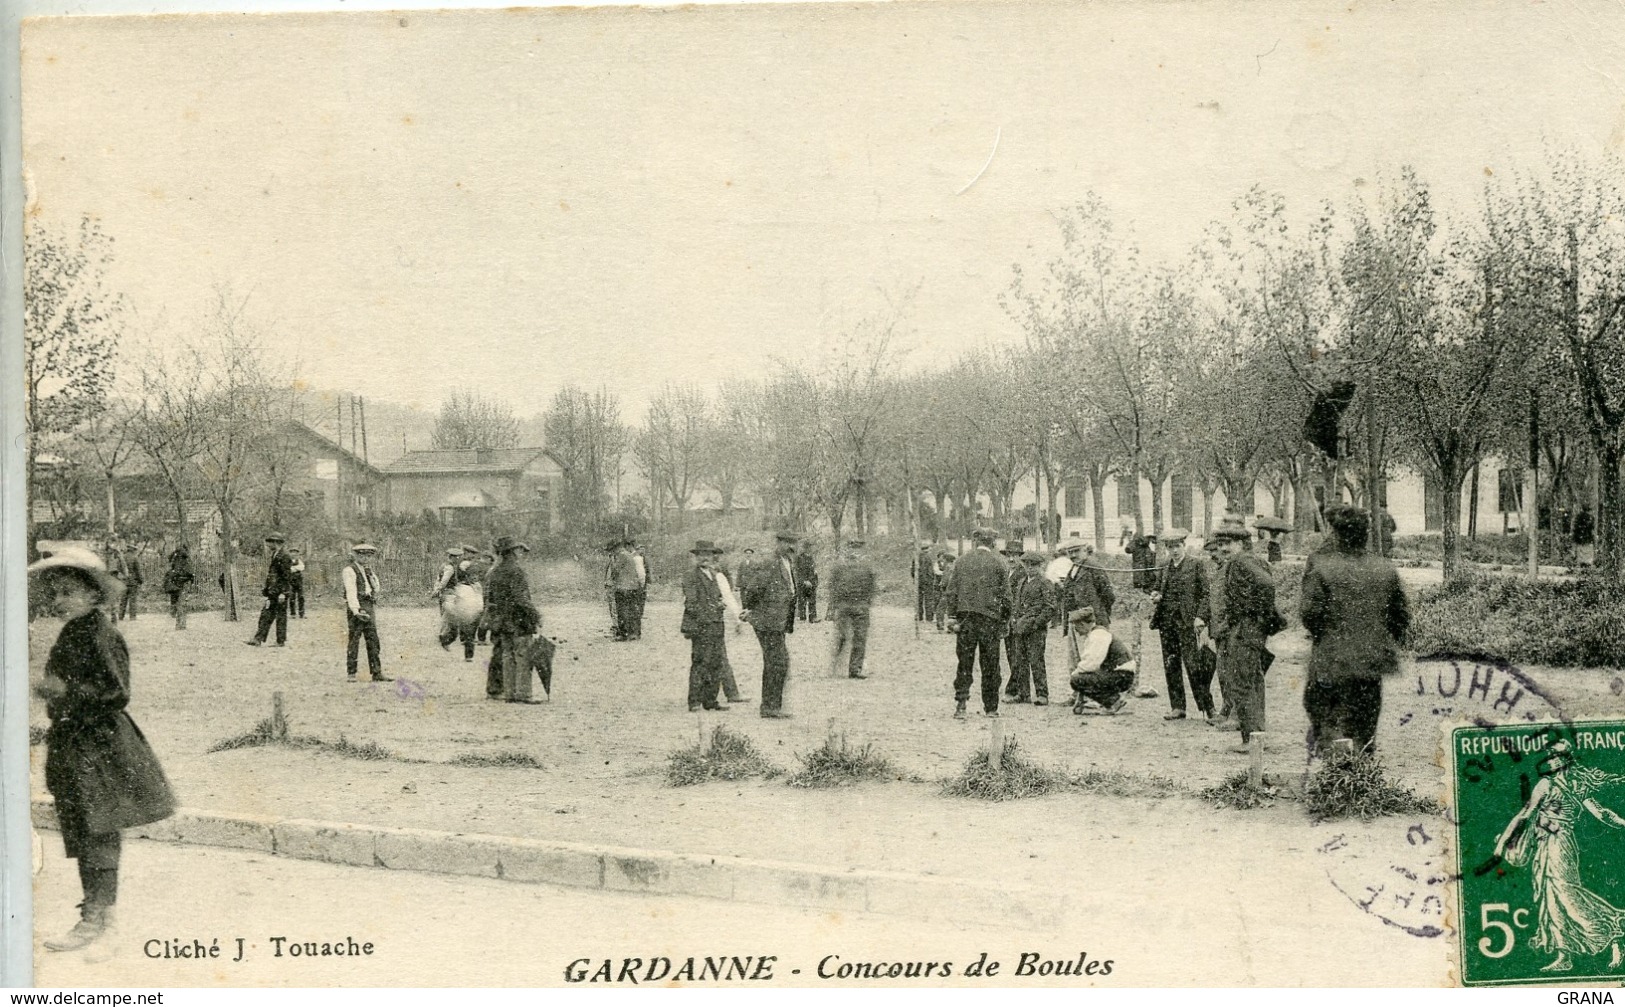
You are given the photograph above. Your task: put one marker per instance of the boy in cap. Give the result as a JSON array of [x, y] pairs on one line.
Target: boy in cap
[[278, 581], [1033, 607], [360, 605]]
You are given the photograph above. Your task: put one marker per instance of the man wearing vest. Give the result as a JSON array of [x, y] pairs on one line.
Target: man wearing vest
[[454, 574], [360, 601]]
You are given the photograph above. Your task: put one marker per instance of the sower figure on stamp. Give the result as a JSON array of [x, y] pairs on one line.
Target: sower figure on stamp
[[768, 593], [514, 620], [703, 625], [98, 766], [361, 612], [1250, 619], [851, 593], [1356, 614], [1033, 607], [278, 576], [1178, 614], [979, 596]]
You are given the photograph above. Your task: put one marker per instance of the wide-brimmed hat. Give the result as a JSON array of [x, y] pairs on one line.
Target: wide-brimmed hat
[[454, 551], [85, 564], [1270, 522], [275, 536], [704, 546], [1231, 529], [508, 543], [1012, 549]]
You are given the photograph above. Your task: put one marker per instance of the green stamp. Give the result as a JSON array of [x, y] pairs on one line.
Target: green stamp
[[1540, 846]]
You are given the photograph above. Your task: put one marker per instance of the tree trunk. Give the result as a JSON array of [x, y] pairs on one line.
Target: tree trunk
[[1134, 494], [112, 508], [1611, 513], [1097, 497], [1472, 505], [1450, 477]]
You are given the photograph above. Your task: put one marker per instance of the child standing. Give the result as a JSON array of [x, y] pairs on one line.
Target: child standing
[[98, 766]]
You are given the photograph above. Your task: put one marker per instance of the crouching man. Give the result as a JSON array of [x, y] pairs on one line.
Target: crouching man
[[1102, 667]]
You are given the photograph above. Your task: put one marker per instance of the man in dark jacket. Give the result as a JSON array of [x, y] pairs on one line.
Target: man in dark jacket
[[278, 582], [768, 594], [1250, 619], [1356, 614], [513, 619], [851, 593], [927, 571], [1033, 606], [978, 594], [1179, 612], [622, 580], [703, 621], [1086, 585]]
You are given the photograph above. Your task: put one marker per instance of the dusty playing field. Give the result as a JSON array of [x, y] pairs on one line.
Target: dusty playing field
[[619, 709]]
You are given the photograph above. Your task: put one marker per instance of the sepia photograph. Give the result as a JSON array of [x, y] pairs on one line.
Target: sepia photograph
[[953, 494]]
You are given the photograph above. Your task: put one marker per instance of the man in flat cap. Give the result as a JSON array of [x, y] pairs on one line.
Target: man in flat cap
[[806, 571], [1178, 614], [978, 594], [1033, 607], [1102, 667], [1086, 584], [1355, 611], [360, 604], [278, 582], [851, 593], [927, 571], [1250, 619], [454, 573], [768, 593]]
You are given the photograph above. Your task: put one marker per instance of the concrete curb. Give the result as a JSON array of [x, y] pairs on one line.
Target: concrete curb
[[612, 868]]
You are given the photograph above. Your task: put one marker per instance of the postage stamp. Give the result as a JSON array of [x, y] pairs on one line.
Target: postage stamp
[[1539, 840]]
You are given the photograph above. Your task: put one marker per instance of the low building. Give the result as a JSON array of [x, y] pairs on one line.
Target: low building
[[476, 491]]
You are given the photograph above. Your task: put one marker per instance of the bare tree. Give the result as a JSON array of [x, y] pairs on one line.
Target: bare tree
[[471, 421], [584, 431], [70, 329], [670, 448]]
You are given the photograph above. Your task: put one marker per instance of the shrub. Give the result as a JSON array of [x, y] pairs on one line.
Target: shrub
[[1355, 785], [834, 764], [1575, 623], [730, 756], [1117, 783], [1015, 777], [262, 733]]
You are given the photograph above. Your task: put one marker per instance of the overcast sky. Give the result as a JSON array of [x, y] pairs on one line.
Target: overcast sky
[[520, 199]]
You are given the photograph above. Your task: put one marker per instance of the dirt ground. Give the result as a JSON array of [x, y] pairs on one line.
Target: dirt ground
[[619, 709]]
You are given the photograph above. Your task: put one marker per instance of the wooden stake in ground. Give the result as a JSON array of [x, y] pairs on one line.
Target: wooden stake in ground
[[279, 719], [1255, 759], [995, 743]]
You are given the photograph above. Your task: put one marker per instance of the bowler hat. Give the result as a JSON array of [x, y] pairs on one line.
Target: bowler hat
[[1012, 549], [705, 545], [1232, 528], [84, 564], [275, 536], [507, 544]]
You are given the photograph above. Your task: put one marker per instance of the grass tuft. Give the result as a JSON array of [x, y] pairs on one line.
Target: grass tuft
[[1117, 783], [835, 764], [730, 756], [263, 733], [1014, 779], [1238, 792], [1355, 785], [511, 759]]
